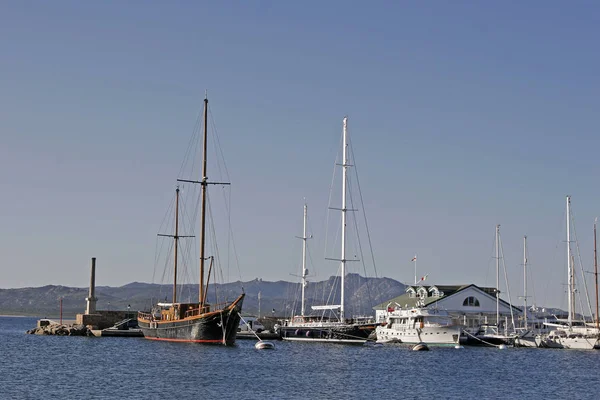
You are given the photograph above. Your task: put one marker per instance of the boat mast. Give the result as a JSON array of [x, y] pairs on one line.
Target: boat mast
[[525, 279], [304, 270], [596, 275], [498, 275], [569, 268], [343, 255], [203, 205], [176, 237]]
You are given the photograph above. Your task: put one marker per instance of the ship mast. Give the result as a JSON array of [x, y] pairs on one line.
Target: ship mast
[[204, 183], [304, 270], [498, 276], [569, 267], [525, 279], [176, 239], [203, 204], [596, 276], [343, 255]]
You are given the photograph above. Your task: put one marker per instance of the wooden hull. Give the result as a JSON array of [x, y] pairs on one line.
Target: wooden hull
[[328, 332], [215, 327]]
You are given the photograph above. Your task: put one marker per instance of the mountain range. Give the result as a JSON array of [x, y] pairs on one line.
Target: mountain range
[[279, 298]]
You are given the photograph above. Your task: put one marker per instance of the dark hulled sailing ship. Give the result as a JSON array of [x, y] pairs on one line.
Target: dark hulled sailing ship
[[320, 328], [199, 321]]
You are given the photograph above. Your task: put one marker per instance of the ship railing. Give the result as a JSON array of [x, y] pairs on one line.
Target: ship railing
[[145, 315], [206, 308]]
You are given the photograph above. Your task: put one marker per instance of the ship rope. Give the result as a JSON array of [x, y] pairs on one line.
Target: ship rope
[[481, 340], [512, 315], [368, 232], [585, 288]]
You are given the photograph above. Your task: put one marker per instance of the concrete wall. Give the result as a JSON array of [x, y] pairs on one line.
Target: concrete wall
[[104, 319]]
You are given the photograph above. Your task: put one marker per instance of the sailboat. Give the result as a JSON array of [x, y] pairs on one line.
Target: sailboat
[[493, 334], [321, 328], [198, 322], [572, 333]]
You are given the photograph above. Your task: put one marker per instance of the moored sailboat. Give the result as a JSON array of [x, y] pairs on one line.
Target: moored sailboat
[[198, 322], [321, 328], [572, 333], [493, 334]]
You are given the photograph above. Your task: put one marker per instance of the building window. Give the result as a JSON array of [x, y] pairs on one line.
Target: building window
[[471, 302]]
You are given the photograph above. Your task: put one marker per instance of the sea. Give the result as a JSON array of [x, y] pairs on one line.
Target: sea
[[59, 367]]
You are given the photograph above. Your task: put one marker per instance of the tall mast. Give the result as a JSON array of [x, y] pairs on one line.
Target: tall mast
[[596, 275], [304, 270], [498, 275], [343, 255], [176, 237], [203, 205], [525, 279], [569, 265]]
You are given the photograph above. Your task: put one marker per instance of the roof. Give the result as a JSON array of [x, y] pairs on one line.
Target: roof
[[405, 300]]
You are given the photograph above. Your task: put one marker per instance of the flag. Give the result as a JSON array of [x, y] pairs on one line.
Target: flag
[[424, 277], [414, 258]]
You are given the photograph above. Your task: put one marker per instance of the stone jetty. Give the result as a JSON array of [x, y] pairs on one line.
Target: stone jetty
[[61, 330]]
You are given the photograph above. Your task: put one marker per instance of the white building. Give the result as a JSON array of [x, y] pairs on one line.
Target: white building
[[469, 305]]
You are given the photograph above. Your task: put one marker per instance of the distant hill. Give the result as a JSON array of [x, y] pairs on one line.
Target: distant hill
[[283, 297]]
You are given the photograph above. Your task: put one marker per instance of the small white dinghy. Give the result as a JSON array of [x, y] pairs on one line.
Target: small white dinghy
[[261, 344], [264, 345]]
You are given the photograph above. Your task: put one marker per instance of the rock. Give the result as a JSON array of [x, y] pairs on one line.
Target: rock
[[61, 330]]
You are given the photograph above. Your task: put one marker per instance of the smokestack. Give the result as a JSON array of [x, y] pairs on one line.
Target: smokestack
[[91, 299]]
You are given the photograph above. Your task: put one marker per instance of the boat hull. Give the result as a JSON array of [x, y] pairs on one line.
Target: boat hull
[[328, 332], [576, 343], [216, 327], [432, 336], [487, 340]]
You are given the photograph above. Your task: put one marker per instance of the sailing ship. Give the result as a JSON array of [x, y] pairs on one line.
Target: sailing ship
[[322, 328], [198, 322], [572, 333], [418, 325]]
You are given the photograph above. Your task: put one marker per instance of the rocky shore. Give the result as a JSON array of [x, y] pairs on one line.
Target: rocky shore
[[61, 330]]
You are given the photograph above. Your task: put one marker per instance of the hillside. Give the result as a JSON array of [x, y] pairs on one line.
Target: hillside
[[283, 297]]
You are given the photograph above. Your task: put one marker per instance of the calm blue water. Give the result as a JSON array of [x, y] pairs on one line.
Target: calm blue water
[[34, 367]]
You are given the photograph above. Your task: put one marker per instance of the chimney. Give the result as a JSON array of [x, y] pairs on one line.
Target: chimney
[[91, 299]]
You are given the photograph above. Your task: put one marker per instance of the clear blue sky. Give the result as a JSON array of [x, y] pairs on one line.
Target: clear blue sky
[[463, 115]]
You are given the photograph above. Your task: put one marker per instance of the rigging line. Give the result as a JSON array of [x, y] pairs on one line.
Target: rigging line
[[512, 316], [235, 253], [231, 237], [192, 144], [491, 257], [589, 304], [160, 249], [364, 210], [213, 234], [550, 272], [360, 249], [218, 143], [530, 278], [330, 198]]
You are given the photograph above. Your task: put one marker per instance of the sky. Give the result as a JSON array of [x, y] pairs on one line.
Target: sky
[[462, 115]]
